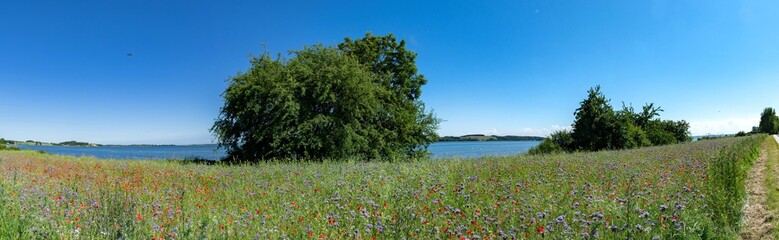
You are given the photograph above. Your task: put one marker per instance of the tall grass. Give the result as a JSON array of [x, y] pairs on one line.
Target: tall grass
[[771, 183], [727, 184], [656, 192]]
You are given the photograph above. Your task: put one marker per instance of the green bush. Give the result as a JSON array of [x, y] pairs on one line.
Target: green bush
[[597, 126], [658, 136], [635, 137], [557, 142], [546, 147], [6, 147]]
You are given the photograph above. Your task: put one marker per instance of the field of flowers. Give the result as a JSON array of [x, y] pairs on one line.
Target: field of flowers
[[650, 193]]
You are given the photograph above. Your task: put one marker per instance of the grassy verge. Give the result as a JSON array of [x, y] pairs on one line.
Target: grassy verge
[[657, 192], [772, 178], [727, 184]]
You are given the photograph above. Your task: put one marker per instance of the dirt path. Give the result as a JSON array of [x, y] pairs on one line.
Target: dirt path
[[758, 221]]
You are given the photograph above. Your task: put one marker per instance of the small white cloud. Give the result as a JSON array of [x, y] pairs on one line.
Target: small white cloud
[[542, 131], [494, 131]]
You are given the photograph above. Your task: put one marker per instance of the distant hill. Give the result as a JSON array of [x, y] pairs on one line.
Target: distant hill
[[38, 143], [482, 137]]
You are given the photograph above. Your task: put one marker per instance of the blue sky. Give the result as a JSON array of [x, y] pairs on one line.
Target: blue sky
[[494, 67]]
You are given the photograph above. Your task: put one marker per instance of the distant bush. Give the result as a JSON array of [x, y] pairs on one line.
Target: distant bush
[[546, 147], [658, 136], [12, 148], [597, 127], [741, 134], [557, 142]]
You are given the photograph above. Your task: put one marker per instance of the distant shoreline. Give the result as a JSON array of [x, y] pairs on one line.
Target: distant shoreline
[[86, 144], [489, 138]]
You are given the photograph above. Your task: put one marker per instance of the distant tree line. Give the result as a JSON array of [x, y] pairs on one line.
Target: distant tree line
[[481, 137], [39, 143], [597, 126], [73, 143]]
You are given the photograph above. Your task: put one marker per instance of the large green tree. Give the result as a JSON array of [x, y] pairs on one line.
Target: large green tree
[[595, 123], [328, 102], [769, 122], [402, 120]]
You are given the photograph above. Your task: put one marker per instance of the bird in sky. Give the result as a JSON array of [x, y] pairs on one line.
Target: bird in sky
[[130, 54]]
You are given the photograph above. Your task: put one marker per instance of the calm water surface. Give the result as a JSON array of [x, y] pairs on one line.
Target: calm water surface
[[210, 151]]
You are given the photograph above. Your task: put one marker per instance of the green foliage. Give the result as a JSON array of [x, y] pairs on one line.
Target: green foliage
[[741, 134], [404, 127], [769, 122], [546, 146], [562, 138], [6, 147], [662, 132], [597, 127], [657, 136], [558, 141], [594, 125], [635, 137], [358, 100]]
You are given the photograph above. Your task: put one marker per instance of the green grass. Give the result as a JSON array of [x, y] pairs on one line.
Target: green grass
[[660, 192], [771, 179]]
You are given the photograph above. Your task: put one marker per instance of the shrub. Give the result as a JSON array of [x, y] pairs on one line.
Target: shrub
[[597, 126], [546, 147], [558, 141]]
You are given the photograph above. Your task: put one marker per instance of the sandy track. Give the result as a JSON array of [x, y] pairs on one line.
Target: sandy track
[[757, 219]]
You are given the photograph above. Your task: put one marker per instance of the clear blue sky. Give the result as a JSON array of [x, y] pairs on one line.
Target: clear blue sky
[[503, 67]]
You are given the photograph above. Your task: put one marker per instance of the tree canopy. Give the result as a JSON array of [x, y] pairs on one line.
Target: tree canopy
[[769, 122], [360, 99], [597, 127]]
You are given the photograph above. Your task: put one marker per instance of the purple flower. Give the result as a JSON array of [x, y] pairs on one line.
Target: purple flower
[[560, 219]]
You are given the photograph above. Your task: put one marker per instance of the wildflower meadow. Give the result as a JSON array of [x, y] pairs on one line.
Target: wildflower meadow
[[691, 190]]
